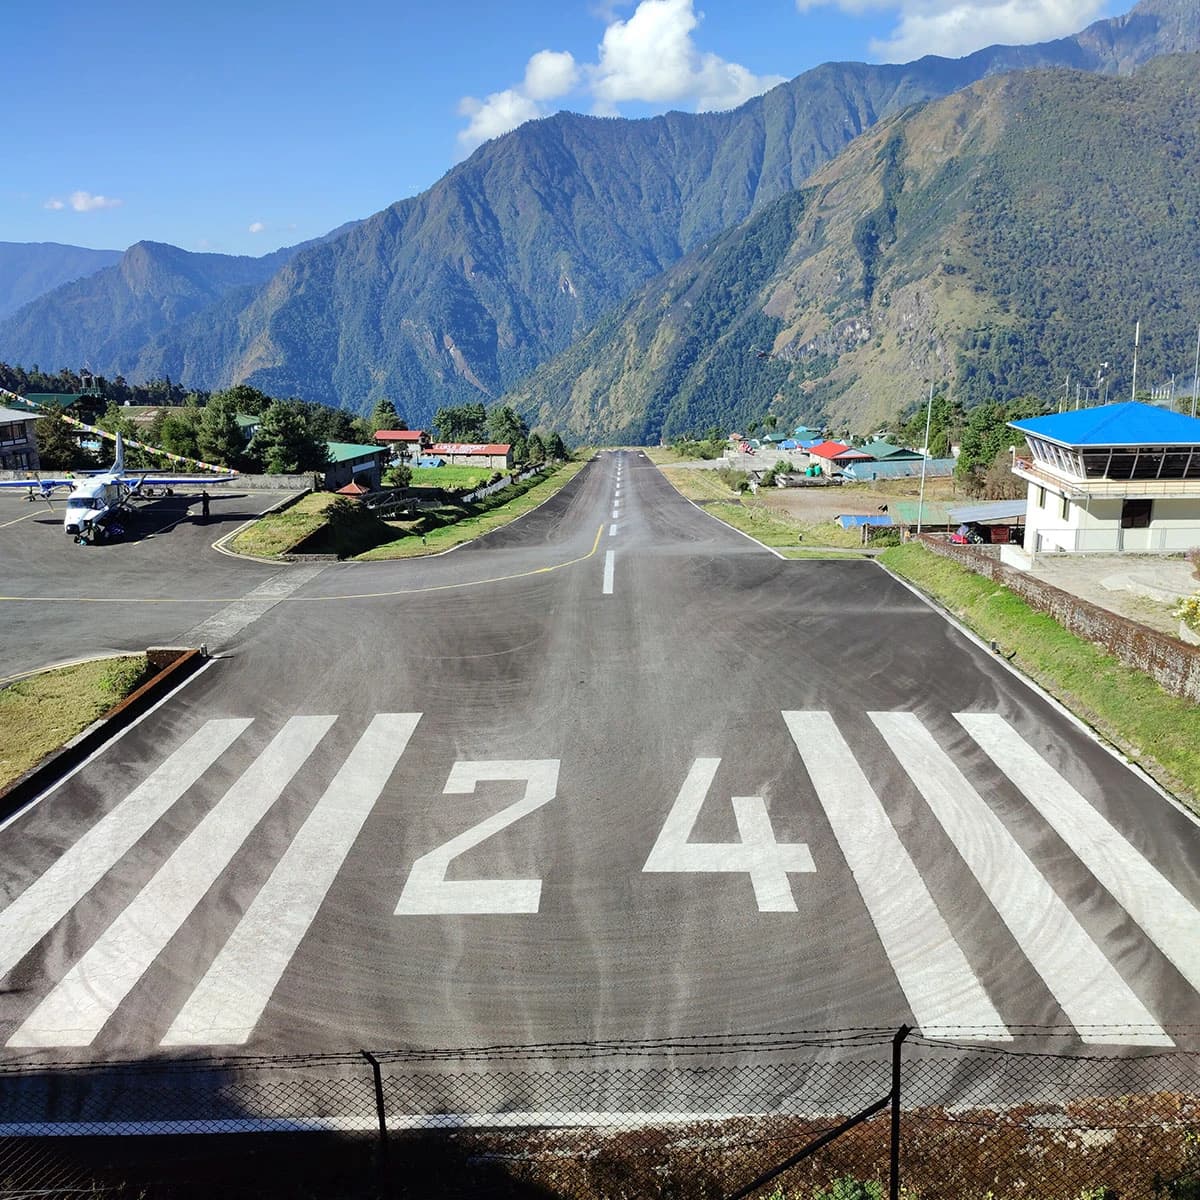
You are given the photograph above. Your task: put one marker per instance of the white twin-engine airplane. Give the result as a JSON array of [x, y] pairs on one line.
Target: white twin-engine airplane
[[97, 497]]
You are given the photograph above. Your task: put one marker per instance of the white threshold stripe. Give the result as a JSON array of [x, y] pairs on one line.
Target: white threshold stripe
[[87, 996], [52, 895], [1169, 918], [946, 998], [230, 999], [609, 567], [1094, 997], [359, 1122]]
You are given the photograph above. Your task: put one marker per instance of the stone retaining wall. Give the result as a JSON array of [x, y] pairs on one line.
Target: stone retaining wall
[[1172, 664]]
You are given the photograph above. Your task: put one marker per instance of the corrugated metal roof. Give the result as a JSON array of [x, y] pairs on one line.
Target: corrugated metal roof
[[1130, 423], [347, 451], [13, 415], [881, 450], [479, 448], [987, 510], [934, 512], [940, 512], [857, 520], [905, 468], [399, 435], [53, 399]]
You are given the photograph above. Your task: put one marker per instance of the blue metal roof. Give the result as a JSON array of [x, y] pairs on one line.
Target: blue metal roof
[[1128, 424], [856, 520]]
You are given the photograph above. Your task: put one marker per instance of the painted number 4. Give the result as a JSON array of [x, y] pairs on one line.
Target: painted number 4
[[758, 854]]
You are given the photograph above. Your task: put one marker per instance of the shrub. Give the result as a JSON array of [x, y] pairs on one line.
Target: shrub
[[1189, 612], [735, 481]]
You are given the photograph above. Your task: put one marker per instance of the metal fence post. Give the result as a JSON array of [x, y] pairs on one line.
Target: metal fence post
[[894, 1177], [377, 1072]]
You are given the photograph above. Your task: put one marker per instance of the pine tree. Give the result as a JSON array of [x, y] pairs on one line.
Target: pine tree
[[285, 444], [384, 416]]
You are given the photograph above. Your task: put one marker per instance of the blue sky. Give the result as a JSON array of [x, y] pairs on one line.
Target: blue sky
[[241, 127]]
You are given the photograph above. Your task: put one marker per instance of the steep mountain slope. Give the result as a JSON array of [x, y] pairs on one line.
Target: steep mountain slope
[[462, 291], [996, 240], [107, 317], [31, 269]]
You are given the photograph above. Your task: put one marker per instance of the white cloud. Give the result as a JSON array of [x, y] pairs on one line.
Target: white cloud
[[649, 57], [54, 205], [550, 74], [499, 113], [86, 202], [256, 227], [953, 28]]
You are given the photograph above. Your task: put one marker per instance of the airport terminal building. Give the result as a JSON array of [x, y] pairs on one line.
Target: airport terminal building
[[18, 443]]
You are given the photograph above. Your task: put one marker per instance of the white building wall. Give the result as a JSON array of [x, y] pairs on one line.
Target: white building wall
[[1058, 524]]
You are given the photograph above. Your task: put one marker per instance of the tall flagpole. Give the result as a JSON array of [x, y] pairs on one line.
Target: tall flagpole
[[1137, 337], [1196, 376]]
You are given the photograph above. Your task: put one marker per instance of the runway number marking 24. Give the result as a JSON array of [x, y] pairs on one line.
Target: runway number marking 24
[[765, 860], [427, 890]]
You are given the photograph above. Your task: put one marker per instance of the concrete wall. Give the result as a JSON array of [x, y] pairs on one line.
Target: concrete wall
[[1174, 665], [250, 483]]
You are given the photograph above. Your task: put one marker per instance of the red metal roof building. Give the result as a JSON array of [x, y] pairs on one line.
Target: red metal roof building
[[402, 435], [475, 454], [832, 455]]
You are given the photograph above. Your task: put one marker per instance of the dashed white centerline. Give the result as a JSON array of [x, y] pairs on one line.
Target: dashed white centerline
[[616, 509], [612, 531], [608, 572]]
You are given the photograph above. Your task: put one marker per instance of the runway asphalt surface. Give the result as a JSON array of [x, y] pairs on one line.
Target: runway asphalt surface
[[614, 772], [167, 556]]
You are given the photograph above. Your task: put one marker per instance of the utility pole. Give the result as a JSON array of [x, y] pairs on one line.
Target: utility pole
[[925, 459]]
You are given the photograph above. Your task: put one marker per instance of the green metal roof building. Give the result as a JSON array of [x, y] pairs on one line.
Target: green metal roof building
[[354, 461]]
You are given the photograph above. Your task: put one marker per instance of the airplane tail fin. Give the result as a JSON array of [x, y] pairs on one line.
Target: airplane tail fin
[[119, 465]]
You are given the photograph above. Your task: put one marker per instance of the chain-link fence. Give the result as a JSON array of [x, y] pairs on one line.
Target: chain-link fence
[[854, 1115]]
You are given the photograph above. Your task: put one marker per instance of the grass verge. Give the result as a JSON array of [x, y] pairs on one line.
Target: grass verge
[[426, 536], [466, 478], [768, 526], [46, 710], [277, 533], [1158, 731]]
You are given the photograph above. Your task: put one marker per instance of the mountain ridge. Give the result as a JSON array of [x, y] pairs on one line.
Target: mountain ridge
[[977, 242], [459, 293]]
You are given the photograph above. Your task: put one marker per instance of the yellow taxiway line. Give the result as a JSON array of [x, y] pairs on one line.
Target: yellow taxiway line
[[36, 513], [437, 587]]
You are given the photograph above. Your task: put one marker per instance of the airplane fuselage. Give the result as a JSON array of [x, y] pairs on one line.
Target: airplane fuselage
[[90, 500]]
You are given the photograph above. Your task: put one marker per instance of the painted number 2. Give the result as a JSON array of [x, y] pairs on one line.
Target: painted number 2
[[427, 890], [758, 854]]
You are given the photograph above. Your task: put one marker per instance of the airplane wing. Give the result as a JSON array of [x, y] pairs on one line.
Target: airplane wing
[[44, 484]]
